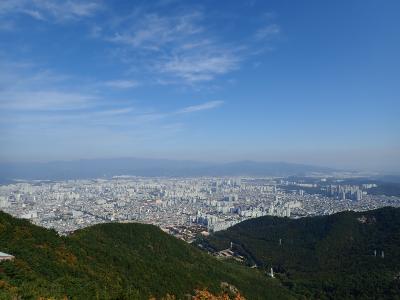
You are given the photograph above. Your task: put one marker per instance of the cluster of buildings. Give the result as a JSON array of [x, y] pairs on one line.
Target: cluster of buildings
[[183, 207], [343, 192]]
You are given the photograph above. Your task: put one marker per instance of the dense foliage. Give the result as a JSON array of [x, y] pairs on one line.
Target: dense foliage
[[115, 261], [328, 257]]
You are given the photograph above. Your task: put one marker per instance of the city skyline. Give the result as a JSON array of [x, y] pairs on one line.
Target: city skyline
[[182, 203], [314, 83]]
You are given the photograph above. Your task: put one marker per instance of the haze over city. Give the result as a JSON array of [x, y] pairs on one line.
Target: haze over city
[[315, 83]]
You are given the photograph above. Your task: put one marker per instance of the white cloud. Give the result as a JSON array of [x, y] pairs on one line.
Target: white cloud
[[177, 47], [114, 112], [122, 84], [268, 32], [50, 9], [154, 31], [182, 48], [95, 31], [34, 14], [81, 9], [200, 67], [200, 107], [24, 86], [44, 100]]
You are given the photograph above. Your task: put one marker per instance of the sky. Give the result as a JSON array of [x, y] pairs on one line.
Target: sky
[[314, 82]]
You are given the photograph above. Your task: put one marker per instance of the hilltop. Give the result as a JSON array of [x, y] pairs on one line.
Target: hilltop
[[115, 261], [342, 256]]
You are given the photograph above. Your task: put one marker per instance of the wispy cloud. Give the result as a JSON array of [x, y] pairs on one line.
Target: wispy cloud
[[176, 48], [182, 47], [44, 100], [46, 97], [268, 32], [24, 86], [200, 67], [122, 84], [200, 107], [33, 13], [41, 113], [154, 32], [51, 10]]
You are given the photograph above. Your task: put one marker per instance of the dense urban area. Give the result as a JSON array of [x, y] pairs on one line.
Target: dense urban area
[[183, 207]]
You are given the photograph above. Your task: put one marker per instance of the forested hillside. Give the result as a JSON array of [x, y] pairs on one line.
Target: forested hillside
[[342, 256], [115, 261]]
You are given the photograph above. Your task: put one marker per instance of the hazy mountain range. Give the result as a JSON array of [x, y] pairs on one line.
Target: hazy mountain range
[[97, 168]]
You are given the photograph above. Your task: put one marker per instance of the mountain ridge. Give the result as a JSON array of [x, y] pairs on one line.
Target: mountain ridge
[[98, 168], [115, 261], [347, 255]]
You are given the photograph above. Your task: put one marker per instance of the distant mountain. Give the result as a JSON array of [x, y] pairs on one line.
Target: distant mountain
[[116, 261], [253, 168], [348, 255], [97, 168]]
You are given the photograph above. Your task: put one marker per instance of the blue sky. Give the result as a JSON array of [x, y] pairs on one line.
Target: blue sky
[[301, 81]]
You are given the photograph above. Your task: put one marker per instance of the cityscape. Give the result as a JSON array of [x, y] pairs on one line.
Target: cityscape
[[183, 207], [199, 150]]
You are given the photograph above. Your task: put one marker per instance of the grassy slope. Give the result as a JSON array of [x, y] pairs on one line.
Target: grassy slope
[[325, 257], [115, 261]]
